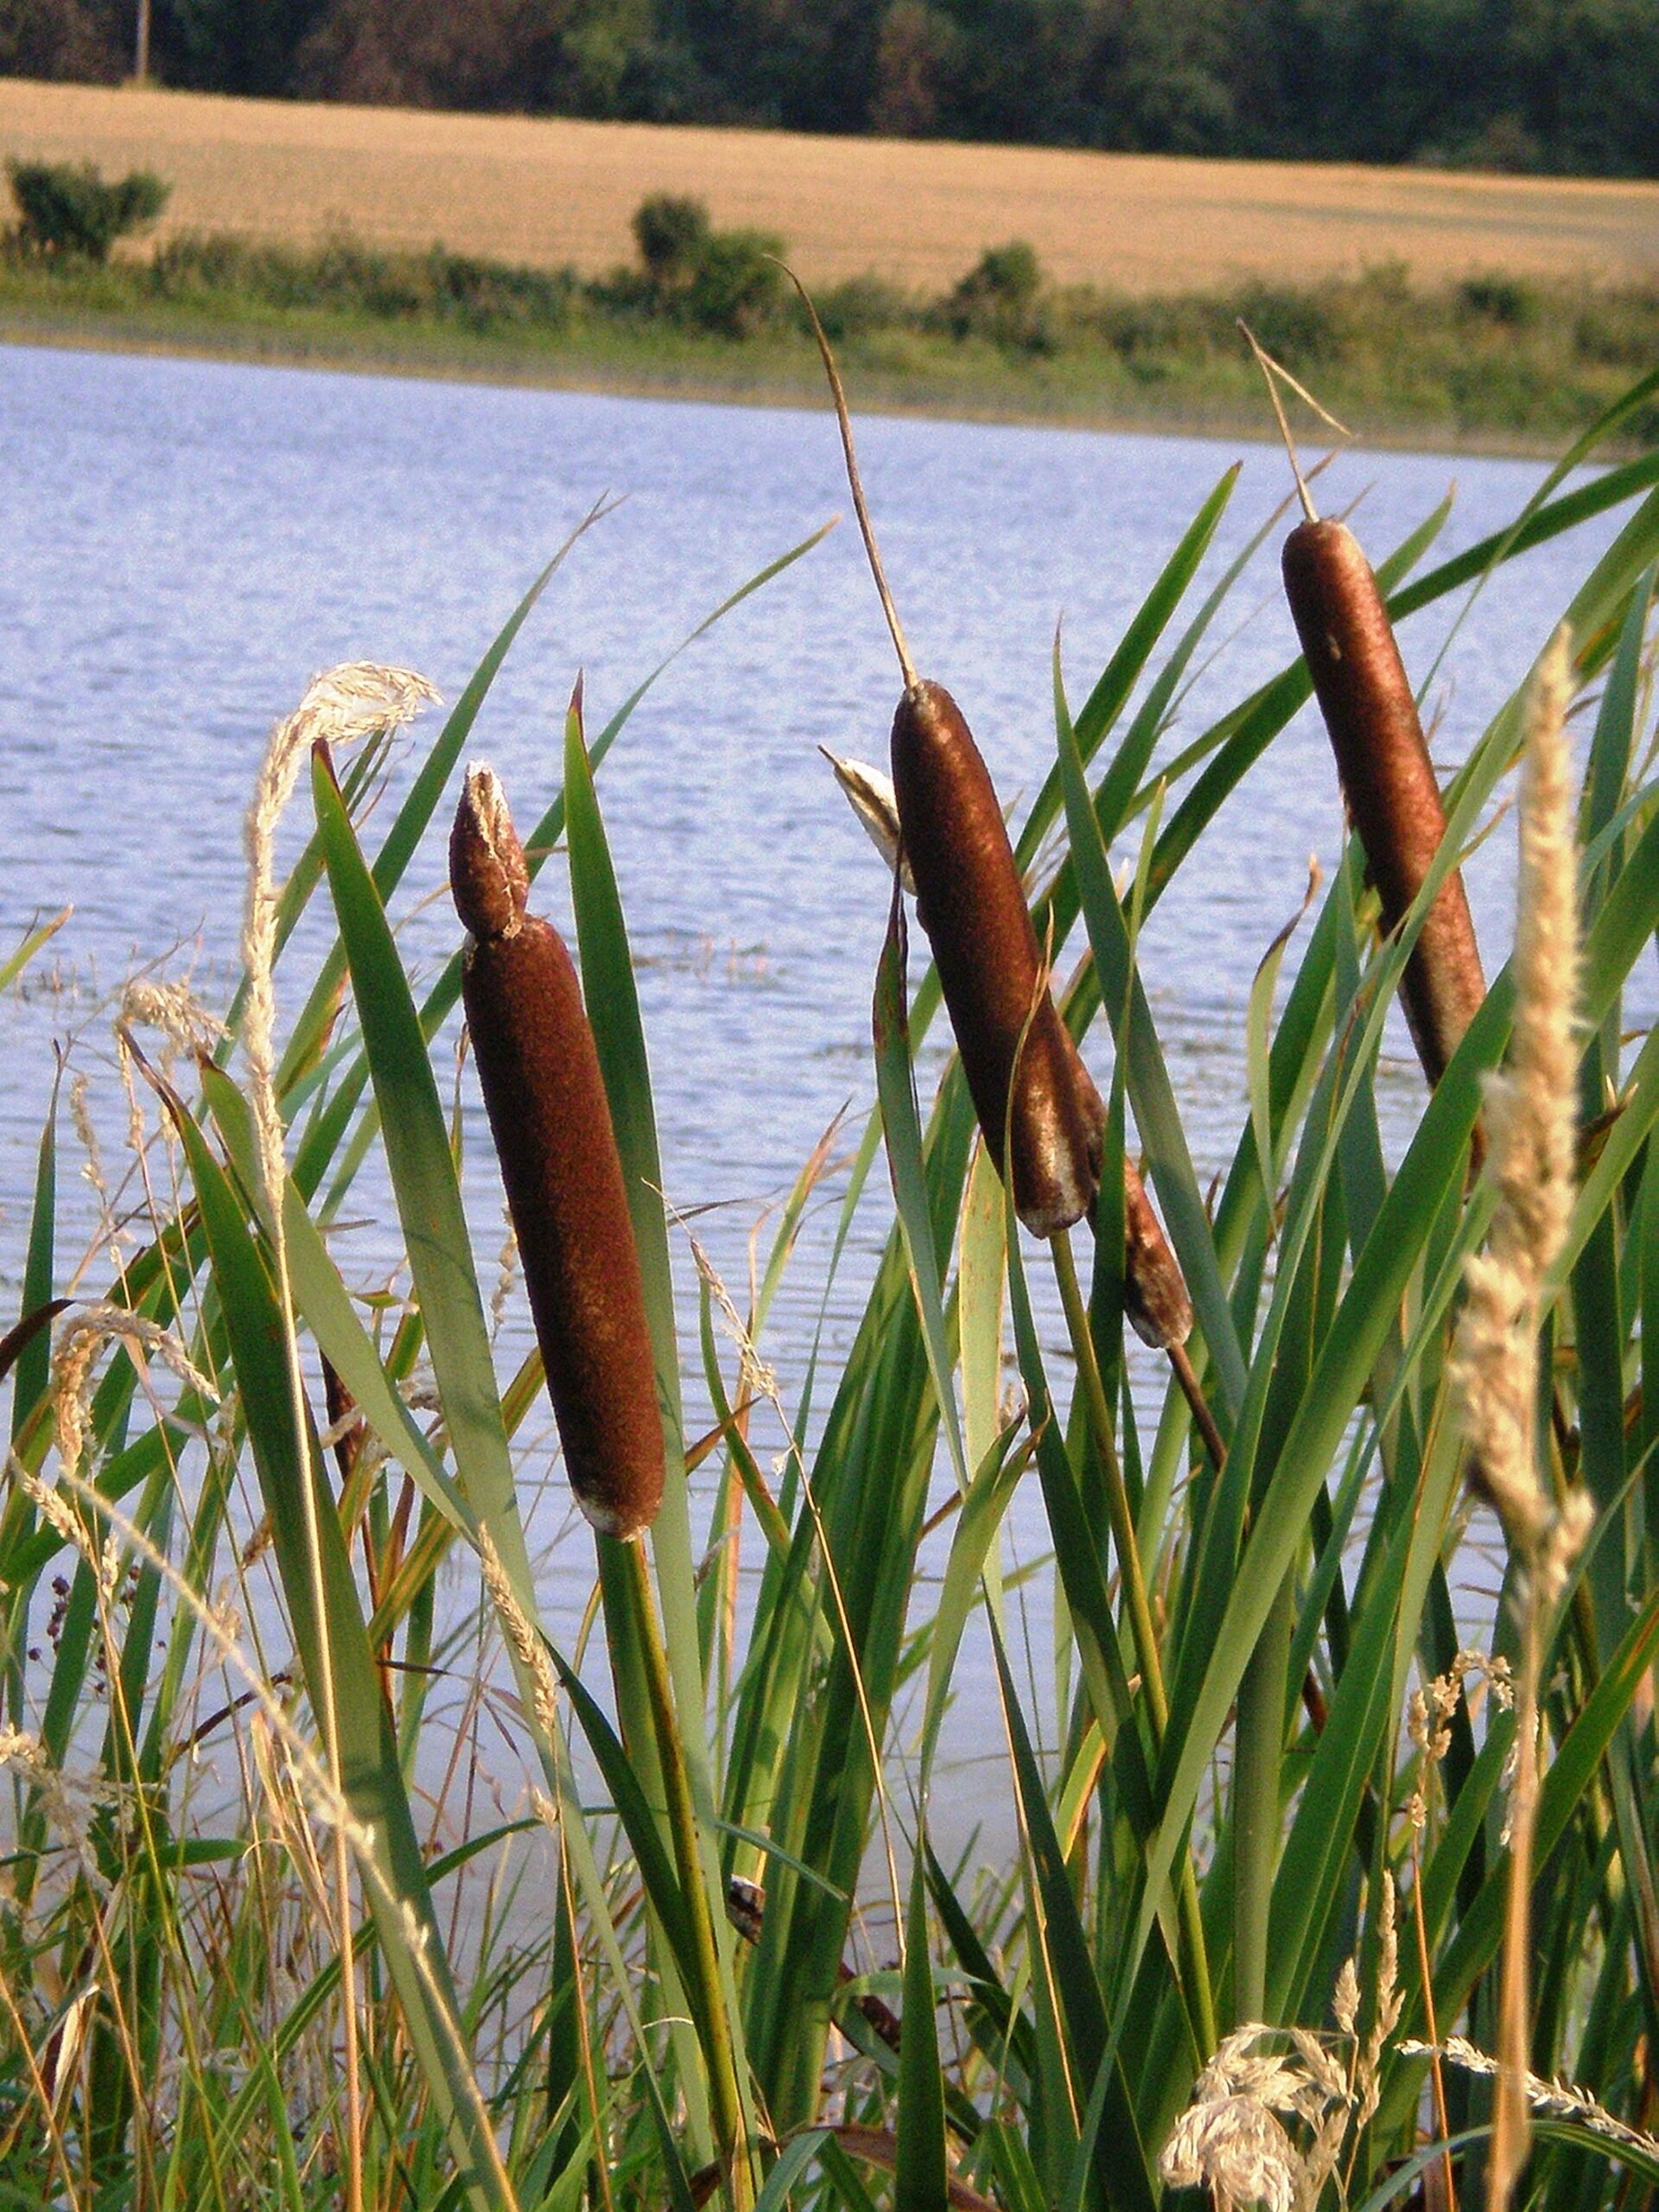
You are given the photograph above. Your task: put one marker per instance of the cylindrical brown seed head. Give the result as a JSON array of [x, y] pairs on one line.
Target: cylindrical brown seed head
[[974, 911], [1386, 776], [539, 1070], [969, 902]]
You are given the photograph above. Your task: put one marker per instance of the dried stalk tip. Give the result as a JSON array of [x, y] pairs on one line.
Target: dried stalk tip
[[488, 877]]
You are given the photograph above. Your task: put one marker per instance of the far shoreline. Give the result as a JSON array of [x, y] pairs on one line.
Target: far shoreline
[[777, 386]]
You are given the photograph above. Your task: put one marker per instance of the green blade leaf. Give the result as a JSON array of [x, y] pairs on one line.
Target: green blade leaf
[[919, 2168]]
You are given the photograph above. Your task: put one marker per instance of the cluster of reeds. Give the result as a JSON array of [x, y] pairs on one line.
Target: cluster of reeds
[[323, 1884]]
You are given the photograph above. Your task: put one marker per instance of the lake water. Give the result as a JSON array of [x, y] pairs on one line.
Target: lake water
[[186, 543]]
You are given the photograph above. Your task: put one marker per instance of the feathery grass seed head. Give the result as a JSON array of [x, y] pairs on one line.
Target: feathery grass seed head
[[527, 1646], [1531, 1123], [80, 1340], [355, 701], [1265, 2126], [1553, 2100]]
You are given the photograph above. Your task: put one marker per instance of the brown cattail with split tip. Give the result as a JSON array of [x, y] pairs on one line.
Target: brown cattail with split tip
[[974, 911], [971, 903], [968, 900], [539, 1070], [1386, 776]]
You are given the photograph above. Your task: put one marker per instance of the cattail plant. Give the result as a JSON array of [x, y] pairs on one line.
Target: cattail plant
[[545, 1093], [937, 822], [1388, 778], [1040, 1115], [1043, 1118], [539, 1070]]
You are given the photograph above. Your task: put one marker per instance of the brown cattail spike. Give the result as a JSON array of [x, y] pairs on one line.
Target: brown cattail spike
[[538, 1067], [1386, 776], [953, 852], [974, 913]]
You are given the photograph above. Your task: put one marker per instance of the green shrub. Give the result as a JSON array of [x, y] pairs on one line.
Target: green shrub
[[1507, 300], [672, 234], [65, 212], [484, 295], [1295, 327], [1620, 329], [1000, 299], [736, 288], [859, 305]]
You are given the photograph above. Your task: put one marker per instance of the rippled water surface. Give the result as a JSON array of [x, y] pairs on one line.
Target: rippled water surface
[[186, 543]]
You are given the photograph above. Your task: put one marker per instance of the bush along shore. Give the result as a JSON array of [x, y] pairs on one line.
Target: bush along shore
[[1494, 360]]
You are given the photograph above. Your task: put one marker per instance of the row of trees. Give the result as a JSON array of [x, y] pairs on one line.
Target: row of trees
[[1552, 84]]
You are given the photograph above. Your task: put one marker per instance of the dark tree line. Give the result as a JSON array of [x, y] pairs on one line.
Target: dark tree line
[[1567, 85]]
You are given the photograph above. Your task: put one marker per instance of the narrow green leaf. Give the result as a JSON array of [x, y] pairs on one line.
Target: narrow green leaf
[[33, 1354], [322, 1301], [901, 1123], [1117, 2152], [639, 1821], [1157, 1116], [919, 2168], [13, 966]]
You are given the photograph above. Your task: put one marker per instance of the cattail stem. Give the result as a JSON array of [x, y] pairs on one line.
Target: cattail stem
[[1195, 1961], [1193, 1390], [1117, 1495], [714, 2028], [843, 422]]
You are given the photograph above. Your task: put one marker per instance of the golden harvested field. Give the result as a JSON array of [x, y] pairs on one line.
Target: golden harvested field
[[552, 191]]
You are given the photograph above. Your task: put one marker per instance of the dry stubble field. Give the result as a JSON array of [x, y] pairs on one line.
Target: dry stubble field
[[552, 192]]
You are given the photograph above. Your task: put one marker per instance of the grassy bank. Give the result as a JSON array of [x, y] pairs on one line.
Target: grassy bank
[[1496, 362]]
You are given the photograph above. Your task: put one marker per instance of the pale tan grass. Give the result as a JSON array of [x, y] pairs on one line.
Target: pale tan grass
[[340, 707], [1553, 2099], [80, 1342], [549, 192], [1531, 1121], [323, 1800]]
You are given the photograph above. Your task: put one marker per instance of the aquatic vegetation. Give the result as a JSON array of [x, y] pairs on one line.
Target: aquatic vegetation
[[340, 1866]]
